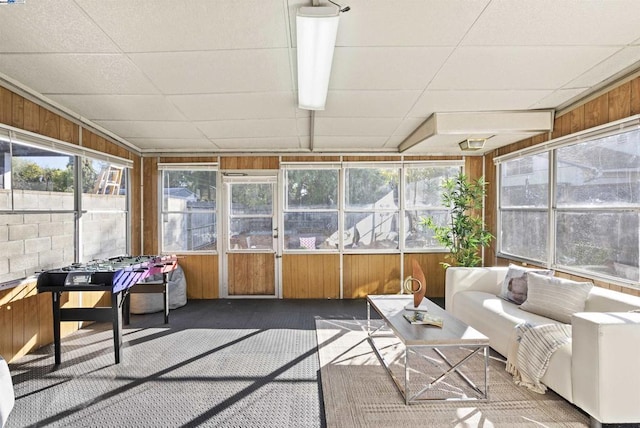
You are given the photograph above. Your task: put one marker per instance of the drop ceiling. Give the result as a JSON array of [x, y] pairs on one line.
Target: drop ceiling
[[202, 76]]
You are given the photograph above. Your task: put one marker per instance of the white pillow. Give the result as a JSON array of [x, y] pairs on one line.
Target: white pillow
[[515, 284], [555, 298]]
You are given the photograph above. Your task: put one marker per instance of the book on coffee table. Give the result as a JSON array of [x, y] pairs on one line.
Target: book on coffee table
[[423, 318], [422, 307]]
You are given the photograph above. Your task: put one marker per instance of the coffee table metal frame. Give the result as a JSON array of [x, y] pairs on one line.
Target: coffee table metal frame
[[416, 338]]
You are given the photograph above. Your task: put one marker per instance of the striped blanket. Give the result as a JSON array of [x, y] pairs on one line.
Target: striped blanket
[[530, 352]]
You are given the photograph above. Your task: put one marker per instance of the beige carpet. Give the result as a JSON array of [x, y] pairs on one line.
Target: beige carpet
[[358, 391]]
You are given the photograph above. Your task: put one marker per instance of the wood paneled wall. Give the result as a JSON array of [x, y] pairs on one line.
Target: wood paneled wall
[[311, 158], [617, 103], [26, 320], [370, 274], [249, 162], [201, 273], [150, 205], [21, 113], [433, 271], [311, 276]]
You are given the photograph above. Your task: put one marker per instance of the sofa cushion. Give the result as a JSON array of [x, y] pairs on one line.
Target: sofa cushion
[[603, 300], [492, 316], [515, 284], [556, 298]]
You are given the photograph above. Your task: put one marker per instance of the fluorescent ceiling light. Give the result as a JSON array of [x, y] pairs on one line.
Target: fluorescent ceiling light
[[316, 29]]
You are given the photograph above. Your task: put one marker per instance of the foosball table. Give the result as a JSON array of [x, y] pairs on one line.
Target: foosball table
[[118, 276]]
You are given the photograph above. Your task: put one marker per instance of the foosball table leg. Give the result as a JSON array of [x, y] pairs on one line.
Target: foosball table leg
[[165, 294], [126, 308], [116, 310], [55, 298]]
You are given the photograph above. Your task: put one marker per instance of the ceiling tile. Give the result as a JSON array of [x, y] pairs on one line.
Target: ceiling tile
[[558, 98], [167, 25], [261, 144], [626, 60], [263, 105], [517, 67], [120, 107], [254, 128], [407, 23], [152, 129], [474, 100], [77, 73], [394, 142], [386, 68], [408, 125], [173, 144], [247, 70], [50, 26], [354, 126], [348, 143], [368, 103], [556, 23]]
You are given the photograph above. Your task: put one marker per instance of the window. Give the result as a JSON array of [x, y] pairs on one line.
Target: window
[[42, 220], [40, 179], [595, 211], [251, 217], [189, 221], [524, 205], [422, 199], [598, 205], [104, 210], [311, 208], [37, 204], [371, 207]]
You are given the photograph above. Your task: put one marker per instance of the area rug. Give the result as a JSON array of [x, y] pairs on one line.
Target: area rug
[[359, 392]]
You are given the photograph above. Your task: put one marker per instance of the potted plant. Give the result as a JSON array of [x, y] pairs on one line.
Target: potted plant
[[466, 234]]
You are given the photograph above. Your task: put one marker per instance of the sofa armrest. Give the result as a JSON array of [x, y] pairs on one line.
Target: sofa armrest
[[7, 398], [487, 279], [604, 369]]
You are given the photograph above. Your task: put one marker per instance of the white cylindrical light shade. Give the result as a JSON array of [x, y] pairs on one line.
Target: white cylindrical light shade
[[316, 29]]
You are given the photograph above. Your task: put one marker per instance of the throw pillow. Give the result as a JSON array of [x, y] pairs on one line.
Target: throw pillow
[[555, 298], [308, 243], [514, 286]]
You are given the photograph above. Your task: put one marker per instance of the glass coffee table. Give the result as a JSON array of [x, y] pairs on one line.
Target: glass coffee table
[[447, 350]]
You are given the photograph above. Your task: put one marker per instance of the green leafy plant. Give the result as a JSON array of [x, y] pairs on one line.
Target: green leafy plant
[[466, 234]]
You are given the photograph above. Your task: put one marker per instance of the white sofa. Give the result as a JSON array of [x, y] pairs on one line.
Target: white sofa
[[7, 398], [598, 371]]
